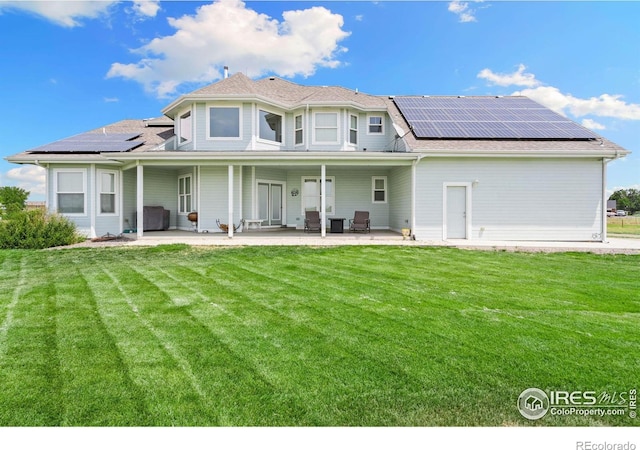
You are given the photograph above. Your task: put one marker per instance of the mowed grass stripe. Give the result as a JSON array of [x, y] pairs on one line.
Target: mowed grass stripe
[[171, 393], [327, 336], [378, 358], [96, 385], [230, 382], [223, 322], [468, 341], [339, 374], [31, 382]]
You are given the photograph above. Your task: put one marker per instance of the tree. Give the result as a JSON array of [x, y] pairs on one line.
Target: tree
[[627, 199], [12, 199]]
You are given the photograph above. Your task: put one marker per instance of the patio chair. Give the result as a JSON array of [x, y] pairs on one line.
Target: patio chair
[[360, 222], [312, 221]]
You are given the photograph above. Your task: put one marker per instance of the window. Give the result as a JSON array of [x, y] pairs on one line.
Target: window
[[184, 127], [70, 187], [326, 128], [270, 126], [376, 125], [107, 185], [353, 130], [184, 194], [224, 122], [311, 194], [298, 130], [379, 190]]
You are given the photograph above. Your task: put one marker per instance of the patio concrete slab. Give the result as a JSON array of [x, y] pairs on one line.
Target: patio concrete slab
[[612, 246]]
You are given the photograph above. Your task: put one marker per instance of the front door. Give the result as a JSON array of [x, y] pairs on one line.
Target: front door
[[270, 203], [456, 212]]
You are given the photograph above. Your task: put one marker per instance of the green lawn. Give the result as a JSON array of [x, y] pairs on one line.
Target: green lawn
[[379, 336], [623, 225]]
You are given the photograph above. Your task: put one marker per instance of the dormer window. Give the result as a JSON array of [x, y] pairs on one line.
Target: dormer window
[[376, 125], [184, 127], [299, 131], [270, 126], [224, 122], [325, 129]]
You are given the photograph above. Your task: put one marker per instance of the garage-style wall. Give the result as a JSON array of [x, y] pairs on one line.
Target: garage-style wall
[[515, 199]]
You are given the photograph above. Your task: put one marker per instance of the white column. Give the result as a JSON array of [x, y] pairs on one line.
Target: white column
[[323, 201], [139, 200], [603, 225], [230, 201], [93, 199], [413, 197]]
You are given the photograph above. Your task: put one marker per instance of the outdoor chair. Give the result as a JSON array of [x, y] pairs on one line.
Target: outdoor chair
[[312, 221], [360, 222]]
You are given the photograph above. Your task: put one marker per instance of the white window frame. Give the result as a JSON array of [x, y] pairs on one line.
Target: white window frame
[[99, 192], [351, 116], [296, 129], [181, 128], [330, 202], [282, 130], [84, 190], [190, 194], [381, 124], [374, 190], [211, 106], [337, 128]]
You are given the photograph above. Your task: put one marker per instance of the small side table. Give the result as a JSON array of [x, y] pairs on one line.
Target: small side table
[[257, 223], [337, 224]]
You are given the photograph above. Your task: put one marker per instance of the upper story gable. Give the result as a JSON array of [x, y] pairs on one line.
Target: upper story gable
[[238, 114]]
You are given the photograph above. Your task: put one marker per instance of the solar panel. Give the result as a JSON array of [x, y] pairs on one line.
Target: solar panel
[[486, 118], [92, 143]]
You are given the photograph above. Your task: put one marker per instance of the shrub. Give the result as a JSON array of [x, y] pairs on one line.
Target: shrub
[[37, 229]]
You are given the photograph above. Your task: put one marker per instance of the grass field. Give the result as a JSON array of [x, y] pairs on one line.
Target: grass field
[[346, 336], [623, 225]]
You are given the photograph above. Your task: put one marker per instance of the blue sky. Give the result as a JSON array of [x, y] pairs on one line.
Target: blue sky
[[69, 67]]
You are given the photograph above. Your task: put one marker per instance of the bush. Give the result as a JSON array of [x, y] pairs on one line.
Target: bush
[[37, 229]]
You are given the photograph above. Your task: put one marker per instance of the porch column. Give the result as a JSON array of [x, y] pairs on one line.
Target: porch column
[[230, 202], [323, 201], [139, 200]]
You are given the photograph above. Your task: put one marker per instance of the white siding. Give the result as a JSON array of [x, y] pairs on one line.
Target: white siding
[[214, 195], [515, 199], [399, 198]]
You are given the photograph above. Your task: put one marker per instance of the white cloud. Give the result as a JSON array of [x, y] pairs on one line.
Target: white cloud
[[604, 105], [226, 32], [592, 124], [359, 18], [71, 13], [148, 8], [29, 178], [111, 99], [67, 13], [462, 10], [517, 78]]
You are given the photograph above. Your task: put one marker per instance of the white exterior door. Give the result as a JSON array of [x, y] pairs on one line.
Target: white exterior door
[[270, 205], [456, 212]]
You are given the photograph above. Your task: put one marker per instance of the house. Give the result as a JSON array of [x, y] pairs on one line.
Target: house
[[498, 168]]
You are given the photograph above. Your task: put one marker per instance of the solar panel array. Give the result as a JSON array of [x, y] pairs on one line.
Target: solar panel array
[[486, 118], [92, 143]]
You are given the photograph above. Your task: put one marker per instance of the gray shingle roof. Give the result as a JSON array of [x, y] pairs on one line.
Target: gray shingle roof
[[287, 93]]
